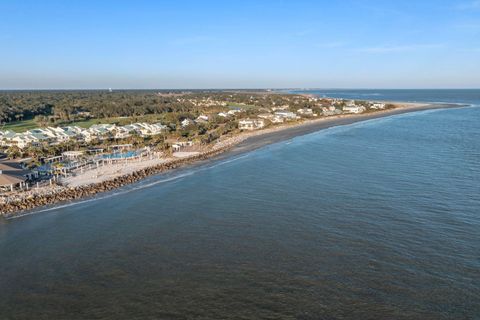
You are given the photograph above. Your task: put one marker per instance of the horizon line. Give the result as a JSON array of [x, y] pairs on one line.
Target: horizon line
[[229, 89]]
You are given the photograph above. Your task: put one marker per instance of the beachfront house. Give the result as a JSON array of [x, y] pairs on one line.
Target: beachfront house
[[378, 105], [251, 124], [353, 109], [271, 117], [306, 112], [287, 115], [330, 111], [179, 145]]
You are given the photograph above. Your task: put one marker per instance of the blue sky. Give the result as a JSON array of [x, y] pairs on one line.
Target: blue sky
[[239, 44]]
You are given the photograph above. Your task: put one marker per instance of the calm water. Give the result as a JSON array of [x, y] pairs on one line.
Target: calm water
[[376, 220], [470, 96]]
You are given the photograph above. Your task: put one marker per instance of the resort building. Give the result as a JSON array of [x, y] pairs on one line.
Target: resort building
[[56, 135], [251, 124]]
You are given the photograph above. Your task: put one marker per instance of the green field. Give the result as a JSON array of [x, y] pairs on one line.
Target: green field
[[90, 122], [20, 126], [24, 125], [243, 106]]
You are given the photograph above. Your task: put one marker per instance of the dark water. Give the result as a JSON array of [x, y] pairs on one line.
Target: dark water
[[376, 220]]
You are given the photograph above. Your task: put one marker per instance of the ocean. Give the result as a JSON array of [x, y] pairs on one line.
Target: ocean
[[375, 220]]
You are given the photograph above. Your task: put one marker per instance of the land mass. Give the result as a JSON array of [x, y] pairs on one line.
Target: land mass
[[90, 181]]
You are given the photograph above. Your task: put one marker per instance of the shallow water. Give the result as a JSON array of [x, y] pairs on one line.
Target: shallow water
[[379, 219]]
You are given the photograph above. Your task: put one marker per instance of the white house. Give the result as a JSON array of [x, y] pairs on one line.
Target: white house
[[330, 111], [351, 103], [202, 118], [146, 129], [287, 115], [251, 124], [273, 118], [353, 109], [122, 133], [234, 111], [305, 112], [378, 105], [186, 122], [177, 146], [284, 107]]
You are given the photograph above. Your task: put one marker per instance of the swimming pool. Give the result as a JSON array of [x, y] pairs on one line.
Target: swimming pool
[[120, 155]]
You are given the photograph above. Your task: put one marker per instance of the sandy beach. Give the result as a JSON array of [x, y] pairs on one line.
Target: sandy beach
[[109, 172]]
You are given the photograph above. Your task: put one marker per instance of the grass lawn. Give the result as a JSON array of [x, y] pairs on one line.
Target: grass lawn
[[117, 120], [20, 126], [243, 106], [90, 122], [24, 125]]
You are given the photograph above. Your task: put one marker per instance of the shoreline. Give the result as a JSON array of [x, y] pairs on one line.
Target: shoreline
[[225, 148], [282, 133]]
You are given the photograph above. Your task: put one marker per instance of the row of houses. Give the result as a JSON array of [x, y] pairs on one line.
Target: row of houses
[[205, 118], [56, 135], [352, 107]]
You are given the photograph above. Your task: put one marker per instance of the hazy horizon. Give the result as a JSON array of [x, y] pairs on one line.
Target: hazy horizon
[[55, 45], [227, 89]]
